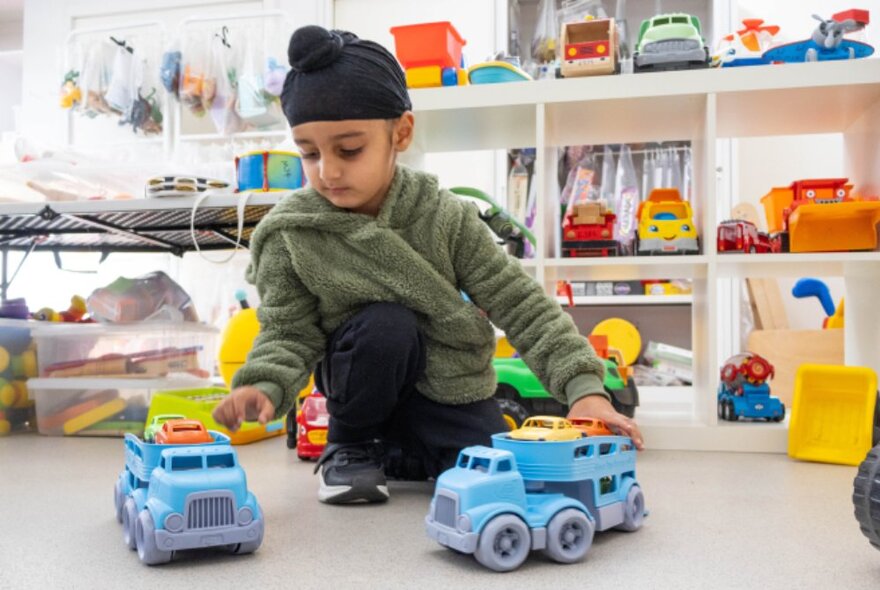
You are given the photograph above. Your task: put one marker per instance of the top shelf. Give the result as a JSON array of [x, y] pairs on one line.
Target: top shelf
[[751, 101]]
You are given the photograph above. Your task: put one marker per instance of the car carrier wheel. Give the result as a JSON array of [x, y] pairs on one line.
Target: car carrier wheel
[[148, 551], [633, 510], [569, 536], [504, 543], [866, 496]]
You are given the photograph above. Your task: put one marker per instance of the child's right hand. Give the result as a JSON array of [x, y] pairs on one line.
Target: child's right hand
[[244, 403]]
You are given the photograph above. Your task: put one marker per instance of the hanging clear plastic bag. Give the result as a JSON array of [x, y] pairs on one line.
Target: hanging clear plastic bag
[[606, 188], [195, 61], [169, 69], [253, 104], [626, 196], [576, 10], [675, 164], [94, 78], [687, 176], [518, 189], [225, 74], [120, 92], [581, 186], [547, 29]]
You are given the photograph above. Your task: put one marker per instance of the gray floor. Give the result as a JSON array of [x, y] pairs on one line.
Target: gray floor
[[717, 520]]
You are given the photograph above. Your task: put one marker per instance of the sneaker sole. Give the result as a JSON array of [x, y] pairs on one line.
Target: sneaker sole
[[352, 494]]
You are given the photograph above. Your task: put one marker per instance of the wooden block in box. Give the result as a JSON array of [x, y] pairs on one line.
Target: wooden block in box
[[788, 349]]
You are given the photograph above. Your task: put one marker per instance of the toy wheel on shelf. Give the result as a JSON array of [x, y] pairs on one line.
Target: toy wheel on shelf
[[781, 415], [569, 536]]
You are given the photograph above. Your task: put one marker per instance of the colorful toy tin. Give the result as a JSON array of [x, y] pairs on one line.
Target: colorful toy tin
[[268, 171]]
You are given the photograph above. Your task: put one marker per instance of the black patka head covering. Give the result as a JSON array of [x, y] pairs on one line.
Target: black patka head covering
[[337, 76]]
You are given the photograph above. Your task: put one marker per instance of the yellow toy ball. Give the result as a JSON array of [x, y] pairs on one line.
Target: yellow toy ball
[[25, 364], [5, 427], [4, 359], [8, 395]]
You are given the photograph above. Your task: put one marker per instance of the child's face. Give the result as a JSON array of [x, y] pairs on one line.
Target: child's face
[[351, 163]]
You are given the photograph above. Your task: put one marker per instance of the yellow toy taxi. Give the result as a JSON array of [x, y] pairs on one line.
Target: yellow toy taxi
[[542, 428], [666, 224]]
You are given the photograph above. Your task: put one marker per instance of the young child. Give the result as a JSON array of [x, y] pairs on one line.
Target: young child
[[360, 279]]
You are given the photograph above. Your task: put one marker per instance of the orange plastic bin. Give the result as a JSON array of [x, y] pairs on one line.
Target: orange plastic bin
[[428, 44]]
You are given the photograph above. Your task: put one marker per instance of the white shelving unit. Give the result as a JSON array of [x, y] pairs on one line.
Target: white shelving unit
[[700, 106]]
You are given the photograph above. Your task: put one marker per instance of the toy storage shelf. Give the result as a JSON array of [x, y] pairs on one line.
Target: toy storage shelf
[[142, 225], [628, 300], [699, 106]]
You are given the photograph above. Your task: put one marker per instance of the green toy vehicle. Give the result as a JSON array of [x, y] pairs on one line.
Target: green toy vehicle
[[521, 395], [670, 42], [156, 423]]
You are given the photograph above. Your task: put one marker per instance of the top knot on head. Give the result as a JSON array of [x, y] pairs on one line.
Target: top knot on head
[[313, 47]]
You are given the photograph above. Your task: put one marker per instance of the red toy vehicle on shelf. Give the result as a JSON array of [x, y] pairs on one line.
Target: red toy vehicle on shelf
[[746, 367], [589, 231], [183, 432], [307, 431], [739, 235]]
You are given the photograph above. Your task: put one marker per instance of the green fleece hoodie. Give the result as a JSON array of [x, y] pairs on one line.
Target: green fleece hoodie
[[316, 265]]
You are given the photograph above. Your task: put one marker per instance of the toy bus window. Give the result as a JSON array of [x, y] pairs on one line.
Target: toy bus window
[[606, 448], [162, 462], [679, 20], [584, 451], [186, 463], [608, 484], [626, 447], [587, 34], [137, 451], [504, 465], [220, 461], [660, 21], [480, 464], [463, 460]]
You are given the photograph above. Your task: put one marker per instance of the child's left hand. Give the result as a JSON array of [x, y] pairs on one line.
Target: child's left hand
[[597, 406]]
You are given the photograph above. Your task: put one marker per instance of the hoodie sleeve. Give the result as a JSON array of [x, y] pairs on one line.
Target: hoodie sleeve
[[543, 334], [290, 341]]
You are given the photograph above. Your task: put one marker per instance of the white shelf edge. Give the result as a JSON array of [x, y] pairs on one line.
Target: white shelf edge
[[628, 299], [686, 260], [790, 264], [143, 204]]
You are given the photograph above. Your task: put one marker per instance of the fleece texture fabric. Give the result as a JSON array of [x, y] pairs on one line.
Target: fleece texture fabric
[[316, 265]]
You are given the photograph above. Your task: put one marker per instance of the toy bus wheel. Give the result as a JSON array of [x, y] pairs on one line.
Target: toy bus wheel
[[129, 523], [727, 412], [633, 510], [504, 543], [148, 551], [781, 415], [569, 536], [118, 499]]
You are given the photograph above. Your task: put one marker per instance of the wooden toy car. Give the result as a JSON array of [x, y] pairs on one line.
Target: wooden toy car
[[739, 235], [546, 428], [589, 48], [182, 432], [590, 232]]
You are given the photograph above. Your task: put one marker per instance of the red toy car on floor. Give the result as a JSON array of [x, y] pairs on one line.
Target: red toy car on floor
[[312, 421], [738, 235]]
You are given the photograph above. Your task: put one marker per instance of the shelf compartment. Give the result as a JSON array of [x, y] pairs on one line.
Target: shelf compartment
[[790, 265]]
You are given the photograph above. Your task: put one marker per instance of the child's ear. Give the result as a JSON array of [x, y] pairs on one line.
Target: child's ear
[[402, 134]]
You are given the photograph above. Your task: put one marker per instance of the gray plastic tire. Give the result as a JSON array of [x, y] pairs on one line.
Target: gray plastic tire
[[866, 496], [569, 536], [633, 510], [129, 523], [249, 546], [504, 543], [148, 551], [118, 499]]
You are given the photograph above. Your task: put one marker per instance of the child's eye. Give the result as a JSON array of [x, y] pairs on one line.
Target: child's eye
[[350, 153], [309, 155]]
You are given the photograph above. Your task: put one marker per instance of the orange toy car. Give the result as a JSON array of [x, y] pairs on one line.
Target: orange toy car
[[183, 432], [591, 426]]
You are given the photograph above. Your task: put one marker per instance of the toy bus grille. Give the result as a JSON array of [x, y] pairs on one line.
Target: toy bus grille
[[444, 511], [209, 512], [671, 45]]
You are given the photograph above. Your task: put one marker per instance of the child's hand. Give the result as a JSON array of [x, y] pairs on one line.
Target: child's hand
[[244, 403], [597, 406]]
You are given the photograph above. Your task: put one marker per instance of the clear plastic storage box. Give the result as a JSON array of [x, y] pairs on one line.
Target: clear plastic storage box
[[97, 407], [145, 350], [18, 363]]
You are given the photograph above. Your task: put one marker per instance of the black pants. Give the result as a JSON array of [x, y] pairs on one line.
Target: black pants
[[368, 375]]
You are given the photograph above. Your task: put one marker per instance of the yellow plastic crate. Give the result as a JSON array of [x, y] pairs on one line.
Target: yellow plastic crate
[[832, 415]]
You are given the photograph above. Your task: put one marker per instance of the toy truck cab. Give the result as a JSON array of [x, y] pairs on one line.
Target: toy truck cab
[[744, 392], [670, 41], [666, 224], [739, 235]]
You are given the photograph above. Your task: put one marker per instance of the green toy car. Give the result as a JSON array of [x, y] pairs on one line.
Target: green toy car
[[521, 395], [156, 423], [670, 42]]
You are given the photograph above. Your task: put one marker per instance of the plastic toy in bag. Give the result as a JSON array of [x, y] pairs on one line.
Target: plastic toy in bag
[[120, 93], [151, 297], [274, 76], [169, 71], [70, 92], [626, 196]]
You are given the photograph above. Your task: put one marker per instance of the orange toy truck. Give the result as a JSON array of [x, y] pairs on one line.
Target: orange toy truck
[[819, 215]]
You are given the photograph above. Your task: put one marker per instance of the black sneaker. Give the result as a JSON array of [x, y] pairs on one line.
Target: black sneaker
[[352, 472], [403, 467]]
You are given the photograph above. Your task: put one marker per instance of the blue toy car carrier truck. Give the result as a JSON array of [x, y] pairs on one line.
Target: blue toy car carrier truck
[[175, 497], [499, 503]]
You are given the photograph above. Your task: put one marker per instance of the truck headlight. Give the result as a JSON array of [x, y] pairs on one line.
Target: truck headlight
[[174, 522], [463, 523], [245, 516]]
